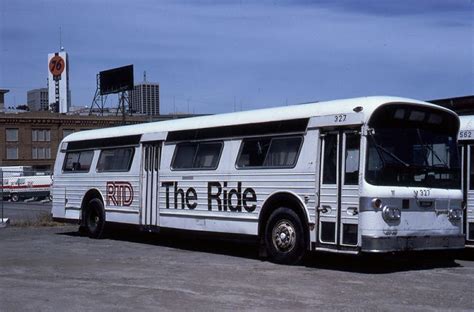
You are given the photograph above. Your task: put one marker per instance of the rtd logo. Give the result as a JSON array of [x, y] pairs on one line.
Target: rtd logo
[[119, 193]]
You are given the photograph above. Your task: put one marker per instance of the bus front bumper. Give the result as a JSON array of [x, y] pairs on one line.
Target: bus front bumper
[[406, 243]]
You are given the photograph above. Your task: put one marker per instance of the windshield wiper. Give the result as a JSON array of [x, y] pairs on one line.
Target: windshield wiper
[[383, 149], [429, 147]]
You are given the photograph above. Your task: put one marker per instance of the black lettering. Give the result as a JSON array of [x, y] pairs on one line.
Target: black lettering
[[176, 192], [191, 195], [215, 196], [249, 195], [225, 197], [237, 193], [167, 185]]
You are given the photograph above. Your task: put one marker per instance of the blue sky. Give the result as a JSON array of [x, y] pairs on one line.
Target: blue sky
[[217, 56]]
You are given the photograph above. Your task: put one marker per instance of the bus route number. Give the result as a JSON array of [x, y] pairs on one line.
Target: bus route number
[[465, 134], [340, 118]]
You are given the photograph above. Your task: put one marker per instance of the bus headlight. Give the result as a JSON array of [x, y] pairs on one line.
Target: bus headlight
[[391, 213], [454, 214]]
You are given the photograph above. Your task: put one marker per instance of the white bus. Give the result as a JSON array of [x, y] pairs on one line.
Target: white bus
[[466, 141], [374, 174]]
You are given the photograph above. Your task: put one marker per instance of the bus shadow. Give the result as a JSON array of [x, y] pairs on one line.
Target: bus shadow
[[248, 247], [467, 254], [380, 264], [236, 246]]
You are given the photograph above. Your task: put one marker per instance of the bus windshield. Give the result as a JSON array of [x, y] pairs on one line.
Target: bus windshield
[[409, 153]]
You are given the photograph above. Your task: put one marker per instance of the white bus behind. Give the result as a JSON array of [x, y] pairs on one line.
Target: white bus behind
[[466, 142]]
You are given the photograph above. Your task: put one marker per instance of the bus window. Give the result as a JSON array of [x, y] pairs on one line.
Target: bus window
[[184, 156], [351, 174], [253, 152], [78, 161], [197, 156], [403, 151], [330, 158], [283, 152], [207, 156], [117, 159], [269, 152]]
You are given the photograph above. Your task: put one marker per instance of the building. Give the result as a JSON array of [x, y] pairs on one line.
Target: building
[[58, 82], [38, 100], [32, 138], [145, 99], [463, 105], [2, 98]]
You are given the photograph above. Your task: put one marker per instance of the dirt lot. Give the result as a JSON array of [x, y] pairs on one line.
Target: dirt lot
[[55, 269]]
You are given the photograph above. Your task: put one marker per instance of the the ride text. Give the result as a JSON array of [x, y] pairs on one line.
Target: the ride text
[[220, 197]]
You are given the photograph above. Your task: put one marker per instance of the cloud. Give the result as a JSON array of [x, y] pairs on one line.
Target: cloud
[[211, 54]]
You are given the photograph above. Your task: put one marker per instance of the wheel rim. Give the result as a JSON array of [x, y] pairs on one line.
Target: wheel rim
[[15, 197], [93, 220], [284, 236]]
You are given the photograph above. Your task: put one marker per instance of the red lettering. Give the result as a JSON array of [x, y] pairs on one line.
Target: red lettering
[[119, 193]]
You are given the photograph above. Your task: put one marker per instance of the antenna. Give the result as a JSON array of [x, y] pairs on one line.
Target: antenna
[[144, 76], [61, 48]]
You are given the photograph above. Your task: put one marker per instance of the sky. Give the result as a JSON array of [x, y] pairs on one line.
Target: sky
[[223, 56]]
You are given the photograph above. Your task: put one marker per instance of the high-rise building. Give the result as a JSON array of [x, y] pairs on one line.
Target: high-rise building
[[58, 82], [38, 100], [145, 98], [2, 98]]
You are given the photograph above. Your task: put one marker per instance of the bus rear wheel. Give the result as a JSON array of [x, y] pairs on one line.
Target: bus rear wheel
[[284, 237], [94, 219]]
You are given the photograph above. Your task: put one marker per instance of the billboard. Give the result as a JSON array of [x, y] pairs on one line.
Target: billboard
[[116, 80], [59, 94]]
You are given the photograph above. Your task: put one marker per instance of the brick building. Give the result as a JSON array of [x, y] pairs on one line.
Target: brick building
[[32, 139]]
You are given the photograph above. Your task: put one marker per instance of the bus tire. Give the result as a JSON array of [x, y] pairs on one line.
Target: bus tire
[[284, 237], [15, 197], [94, 219]]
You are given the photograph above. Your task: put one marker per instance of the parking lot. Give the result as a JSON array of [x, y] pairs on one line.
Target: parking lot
[[53, 268]]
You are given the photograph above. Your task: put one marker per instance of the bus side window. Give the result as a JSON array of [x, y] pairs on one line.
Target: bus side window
[[280, 152], [283, 152], [253, 152], [116, 159], [78, 161], [197, 156]]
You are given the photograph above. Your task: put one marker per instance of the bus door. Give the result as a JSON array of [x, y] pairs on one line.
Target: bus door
[[150, 184], [339, 189], [469, 193]]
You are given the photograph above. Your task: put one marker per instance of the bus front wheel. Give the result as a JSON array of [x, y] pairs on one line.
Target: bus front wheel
[[94, 219], [284, 237]]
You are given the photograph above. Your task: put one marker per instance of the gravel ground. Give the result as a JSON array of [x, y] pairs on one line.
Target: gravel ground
[[55, 269]]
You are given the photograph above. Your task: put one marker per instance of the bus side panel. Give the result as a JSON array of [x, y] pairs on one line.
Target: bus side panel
[[228, 199], [120, 191], [58, 191]]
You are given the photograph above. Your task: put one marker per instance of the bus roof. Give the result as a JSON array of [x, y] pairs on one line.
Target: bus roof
[[467, 122], [344, 106]]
